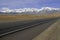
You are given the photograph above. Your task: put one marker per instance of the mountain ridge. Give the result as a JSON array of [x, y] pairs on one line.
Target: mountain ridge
[[31, 10]]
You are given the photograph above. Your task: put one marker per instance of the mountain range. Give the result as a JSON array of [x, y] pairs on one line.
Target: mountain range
[[30, 10]]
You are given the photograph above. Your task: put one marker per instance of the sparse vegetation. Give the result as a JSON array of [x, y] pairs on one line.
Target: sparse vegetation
[[28, 17]]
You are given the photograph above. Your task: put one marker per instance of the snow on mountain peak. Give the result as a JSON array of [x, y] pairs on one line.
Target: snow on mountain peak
[[49, 8], [5, 10], [28, 9]]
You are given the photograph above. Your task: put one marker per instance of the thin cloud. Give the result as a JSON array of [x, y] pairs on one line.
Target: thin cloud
[[28, 3]]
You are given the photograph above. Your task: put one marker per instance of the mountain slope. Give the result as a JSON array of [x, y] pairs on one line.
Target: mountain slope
[[31, 10]]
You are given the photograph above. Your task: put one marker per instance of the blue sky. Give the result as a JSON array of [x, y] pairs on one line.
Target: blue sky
[[13, 4]]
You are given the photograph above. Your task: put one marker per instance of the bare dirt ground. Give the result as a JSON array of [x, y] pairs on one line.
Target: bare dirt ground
[[52, 33]]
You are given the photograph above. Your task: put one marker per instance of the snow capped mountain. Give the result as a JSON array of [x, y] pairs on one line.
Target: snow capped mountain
[[19, 10], [49, 8], [31, 10]]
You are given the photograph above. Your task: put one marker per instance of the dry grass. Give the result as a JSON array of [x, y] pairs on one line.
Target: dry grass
[[27, 17], [52, 33]]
